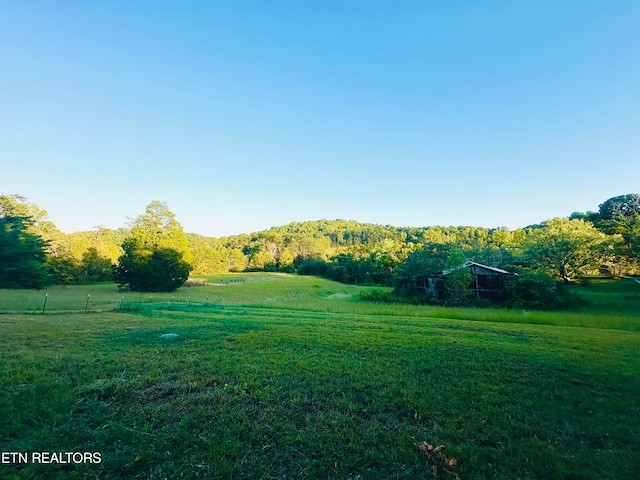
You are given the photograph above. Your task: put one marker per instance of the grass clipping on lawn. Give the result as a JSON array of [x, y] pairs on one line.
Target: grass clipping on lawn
[[435, 457]]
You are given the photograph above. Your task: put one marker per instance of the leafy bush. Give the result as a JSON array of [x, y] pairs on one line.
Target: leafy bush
[[378, 296], [538, 291], [457, 288]]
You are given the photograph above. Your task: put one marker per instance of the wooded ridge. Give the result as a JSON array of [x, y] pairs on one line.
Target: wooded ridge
[[603, 242]]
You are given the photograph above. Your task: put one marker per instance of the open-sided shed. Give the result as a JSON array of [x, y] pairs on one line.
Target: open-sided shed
[[488, 282]]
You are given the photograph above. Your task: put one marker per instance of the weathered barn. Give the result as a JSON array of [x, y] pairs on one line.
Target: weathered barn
[[488, 282]]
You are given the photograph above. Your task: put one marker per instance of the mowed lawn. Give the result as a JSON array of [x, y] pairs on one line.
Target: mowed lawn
[[283, 377]]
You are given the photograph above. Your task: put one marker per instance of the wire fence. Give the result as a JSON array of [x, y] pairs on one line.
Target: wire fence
[[75, 301]]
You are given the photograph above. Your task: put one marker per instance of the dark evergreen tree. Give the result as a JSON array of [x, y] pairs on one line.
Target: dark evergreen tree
[[22, 254]]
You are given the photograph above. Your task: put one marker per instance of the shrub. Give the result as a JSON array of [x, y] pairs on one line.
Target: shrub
[[457, 288], [378, 296], [538, 291]]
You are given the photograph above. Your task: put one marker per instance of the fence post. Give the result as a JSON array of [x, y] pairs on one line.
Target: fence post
[[44, 306], [86, 306]]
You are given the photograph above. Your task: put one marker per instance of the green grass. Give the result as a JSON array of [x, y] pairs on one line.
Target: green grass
[[280, 377], [611, 304], [610, 296]]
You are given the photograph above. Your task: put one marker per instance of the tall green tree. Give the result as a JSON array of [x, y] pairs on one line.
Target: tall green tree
[[156, 253], [64, 251], [158, 228], [65, 256], [22, 254], [209, 255], [94, 267], [428, 258], [18, 206], [621, 215], [565, 248], [285, 260], [261, 259], [237, 261], [617, 213]]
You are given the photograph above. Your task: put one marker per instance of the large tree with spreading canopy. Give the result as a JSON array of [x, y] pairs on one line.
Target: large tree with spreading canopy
[[565, 248]]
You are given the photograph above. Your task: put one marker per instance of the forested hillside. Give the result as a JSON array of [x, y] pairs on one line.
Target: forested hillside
[[602, 242]]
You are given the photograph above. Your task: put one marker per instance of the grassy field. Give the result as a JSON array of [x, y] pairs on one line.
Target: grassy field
[[283, 377]]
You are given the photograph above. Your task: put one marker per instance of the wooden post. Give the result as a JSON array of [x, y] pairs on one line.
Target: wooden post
[[86, 306], [44, 306]]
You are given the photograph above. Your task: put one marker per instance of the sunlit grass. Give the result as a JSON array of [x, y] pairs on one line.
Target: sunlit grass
[[278, 376], [611, 304], [250, 392]]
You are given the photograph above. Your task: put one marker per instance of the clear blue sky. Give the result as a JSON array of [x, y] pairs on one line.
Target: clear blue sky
[[243, 115]]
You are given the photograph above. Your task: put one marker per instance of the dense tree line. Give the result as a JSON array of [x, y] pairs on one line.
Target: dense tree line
[[606, 241]]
